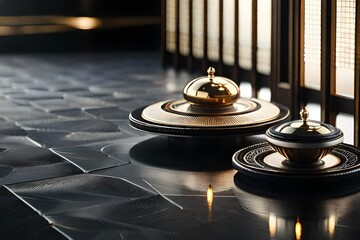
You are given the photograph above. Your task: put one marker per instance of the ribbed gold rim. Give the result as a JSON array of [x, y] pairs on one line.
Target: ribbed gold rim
[[266, 112]]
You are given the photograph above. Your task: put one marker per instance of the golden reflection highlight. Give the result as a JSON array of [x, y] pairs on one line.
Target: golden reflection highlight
[[298, 229], [331, 225], [83, 23], [210, 196], [24, 30], [22, 25], [272, 225], [210, 200]]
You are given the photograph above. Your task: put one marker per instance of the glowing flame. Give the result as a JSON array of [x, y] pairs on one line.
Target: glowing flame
[[272, 225], [298, 229]]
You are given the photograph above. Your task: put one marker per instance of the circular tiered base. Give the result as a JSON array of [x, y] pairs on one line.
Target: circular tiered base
[[261, 161], [180, 118]]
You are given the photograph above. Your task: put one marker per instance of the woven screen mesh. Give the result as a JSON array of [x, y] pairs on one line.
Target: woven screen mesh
[[312, 43], [171, 25], [345, 47], [184, 26]]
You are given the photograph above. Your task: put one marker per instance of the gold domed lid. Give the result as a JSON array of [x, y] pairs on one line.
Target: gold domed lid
[[305, 131], [211, 90], [305, 127]]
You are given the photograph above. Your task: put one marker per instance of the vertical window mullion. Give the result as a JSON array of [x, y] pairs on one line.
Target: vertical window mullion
[[245, 34], [206, 54], [163, 32], [190, 9], [236, 43], [197, 26], [327, 69], [254, 50], [228, 29], [357, 77], [221, 36], [177, 23], [213, 30], [184, 19], [264, 28]]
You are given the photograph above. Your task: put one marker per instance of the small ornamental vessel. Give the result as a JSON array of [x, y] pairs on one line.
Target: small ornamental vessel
[[301, 151]]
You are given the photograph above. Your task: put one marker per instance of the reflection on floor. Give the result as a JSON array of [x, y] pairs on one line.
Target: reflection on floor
[[73, 168]]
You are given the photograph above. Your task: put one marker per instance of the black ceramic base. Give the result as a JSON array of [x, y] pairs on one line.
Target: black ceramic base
[[262, 162], [138, 122]]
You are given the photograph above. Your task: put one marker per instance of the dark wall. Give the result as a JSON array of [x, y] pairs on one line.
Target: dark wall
[[117, 37]]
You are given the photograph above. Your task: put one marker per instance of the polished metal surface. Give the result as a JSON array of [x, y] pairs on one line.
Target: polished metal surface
[[183, 107], [211, 91], [305, 129], [244, 112], [73, 168], [212, 125], [304, 142], [261, 160], [291, 216]]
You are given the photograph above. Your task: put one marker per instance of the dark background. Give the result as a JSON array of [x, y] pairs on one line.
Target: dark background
[[139, 37]]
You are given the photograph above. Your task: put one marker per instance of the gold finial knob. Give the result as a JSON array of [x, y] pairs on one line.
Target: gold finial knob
[[211, 72], [304, 114]]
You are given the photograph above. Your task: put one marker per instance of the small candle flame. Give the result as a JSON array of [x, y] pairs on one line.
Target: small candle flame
[[298, 229]]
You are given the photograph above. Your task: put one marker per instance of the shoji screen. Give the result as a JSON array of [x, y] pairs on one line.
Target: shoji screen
[[329, 43], [233, 35], [296, 52]]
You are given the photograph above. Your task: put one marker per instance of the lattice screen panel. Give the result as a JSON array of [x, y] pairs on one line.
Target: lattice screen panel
[[312, 43], [345, 47], [296, 52]]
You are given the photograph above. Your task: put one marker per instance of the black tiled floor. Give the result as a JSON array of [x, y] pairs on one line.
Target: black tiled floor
[[73, 168]]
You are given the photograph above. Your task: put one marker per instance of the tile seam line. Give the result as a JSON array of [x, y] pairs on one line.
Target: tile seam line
[[37, 211]]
